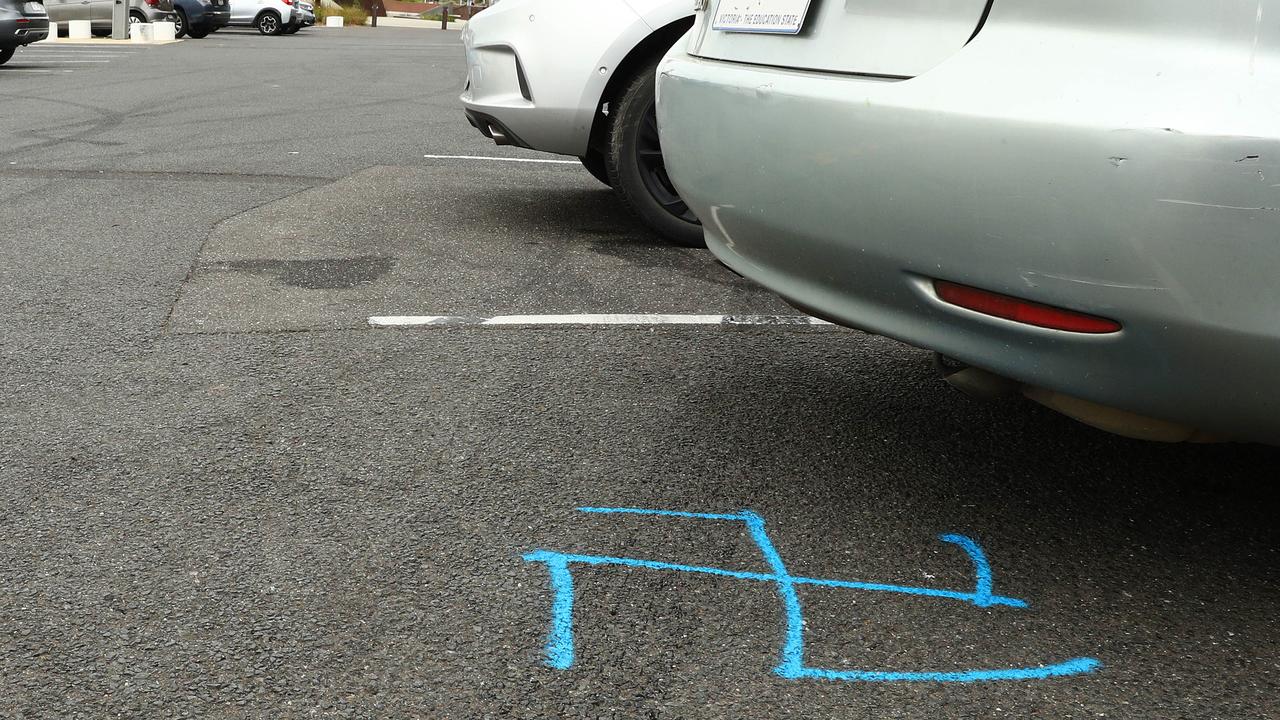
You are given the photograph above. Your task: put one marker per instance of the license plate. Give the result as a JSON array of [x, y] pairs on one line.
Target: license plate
[[779, 17], [33, 8]]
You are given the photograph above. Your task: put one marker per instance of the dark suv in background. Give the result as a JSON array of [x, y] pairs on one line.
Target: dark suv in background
[[21, 22], [198, 18]]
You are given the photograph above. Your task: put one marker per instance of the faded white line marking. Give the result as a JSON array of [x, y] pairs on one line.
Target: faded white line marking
[[65, 56], [593, 319], [502, 159], [70, 51]]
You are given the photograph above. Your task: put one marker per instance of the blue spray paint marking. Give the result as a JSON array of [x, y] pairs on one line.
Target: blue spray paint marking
[[560, 648], [981, 568], [560, 642]]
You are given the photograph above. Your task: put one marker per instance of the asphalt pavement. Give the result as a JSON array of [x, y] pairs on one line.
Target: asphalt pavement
[[224, 494]]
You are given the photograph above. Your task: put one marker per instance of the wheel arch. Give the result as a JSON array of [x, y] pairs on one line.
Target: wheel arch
[[650, 48], [267, 11]]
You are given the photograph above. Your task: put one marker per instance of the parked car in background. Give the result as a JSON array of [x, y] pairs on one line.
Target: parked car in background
[[198, 18], [98, 12], [270, 17], [151, 11], [1076, 201], [22, 22], [307, 11], [581, 83]]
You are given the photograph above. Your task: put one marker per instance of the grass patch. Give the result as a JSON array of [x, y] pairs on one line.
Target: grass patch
[[350, 14]]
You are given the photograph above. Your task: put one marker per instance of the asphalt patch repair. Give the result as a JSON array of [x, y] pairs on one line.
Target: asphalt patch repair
[[431, 241]]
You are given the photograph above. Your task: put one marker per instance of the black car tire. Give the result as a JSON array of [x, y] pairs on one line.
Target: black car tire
[[6, 53], [268, 23], [180, 24], [594, 162], [292, 29], [636, 168], [199, 33]]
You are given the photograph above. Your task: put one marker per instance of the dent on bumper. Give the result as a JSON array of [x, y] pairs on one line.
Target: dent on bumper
[[847, 195]]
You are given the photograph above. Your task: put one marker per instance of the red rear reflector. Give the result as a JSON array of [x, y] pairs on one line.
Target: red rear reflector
[[1023, 311]]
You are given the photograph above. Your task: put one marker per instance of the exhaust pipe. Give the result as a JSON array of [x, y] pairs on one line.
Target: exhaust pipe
[[986, 385], [499, 137], [972, 381]]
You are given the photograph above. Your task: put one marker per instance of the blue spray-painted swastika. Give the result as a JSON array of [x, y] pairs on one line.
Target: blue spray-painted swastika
[[560, 648]]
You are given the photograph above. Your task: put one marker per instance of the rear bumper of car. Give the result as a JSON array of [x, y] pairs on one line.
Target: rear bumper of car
[[154, 15], [850, 195], [23, 31], [215, 16], [541, 73]]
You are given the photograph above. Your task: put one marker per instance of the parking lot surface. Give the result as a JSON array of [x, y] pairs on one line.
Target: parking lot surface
[[226, 494]]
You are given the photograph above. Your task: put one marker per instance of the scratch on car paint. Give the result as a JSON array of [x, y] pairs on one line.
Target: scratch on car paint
[[1117, 160], [1029, 277], [715, 218], [1215, 205], [1257, 33], [1247, 158]]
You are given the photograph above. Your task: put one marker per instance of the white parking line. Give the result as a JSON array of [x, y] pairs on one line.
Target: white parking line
[[90, 56], [593, 319], [502, 159], [74, 51]]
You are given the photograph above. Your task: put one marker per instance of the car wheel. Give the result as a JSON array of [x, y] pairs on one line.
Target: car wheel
[[268, 23], [136, 17], [292, 29], [198, 33], [180, 24], [5, 54], [594, 162], [636, 168]]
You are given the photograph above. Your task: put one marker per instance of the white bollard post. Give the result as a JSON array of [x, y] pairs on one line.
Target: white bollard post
[[163, 32], [79, 30], [332, 21], [140, 32], [53, 33]]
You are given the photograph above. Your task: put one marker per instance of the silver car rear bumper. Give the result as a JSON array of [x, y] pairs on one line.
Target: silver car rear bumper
[[540, 73], [849, 195]]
